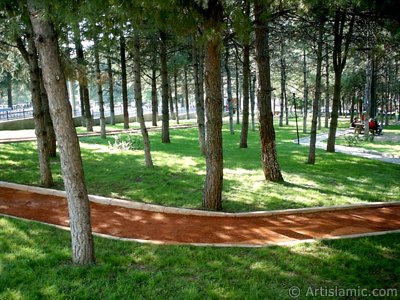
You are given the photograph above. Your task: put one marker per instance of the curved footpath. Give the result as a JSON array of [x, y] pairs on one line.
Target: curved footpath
[[356, 151], [161, 225]]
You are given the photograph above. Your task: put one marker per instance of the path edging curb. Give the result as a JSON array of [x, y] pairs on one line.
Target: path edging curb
[[192, 212]]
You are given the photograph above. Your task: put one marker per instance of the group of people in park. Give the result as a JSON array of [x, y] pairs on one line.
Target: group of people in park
[[374, 126]]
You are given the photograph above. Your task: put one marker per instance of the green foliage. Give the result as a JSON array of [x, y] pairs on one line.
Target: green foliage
[[357, 140], [35, 264], [127, 142]]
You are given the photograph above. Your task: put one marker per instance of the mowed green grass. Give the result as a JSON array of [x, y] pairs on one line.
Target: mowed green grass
[[35, 264], [178, 176]]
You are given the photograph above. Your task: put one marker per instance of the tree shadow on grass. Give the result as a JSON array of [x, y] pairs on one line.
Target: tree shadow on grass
[[35, 262]]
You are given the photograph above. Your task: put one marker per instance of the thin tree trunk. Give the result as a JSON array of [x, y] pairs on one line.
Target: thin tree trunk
[[83, 82], [229, 89], [71, 162], [176, 96], [154, 98], [237, 87], [171, 100], [9, 90], [111, 89], [339, 62], [252, 102], [305, 108], [327, 87], [46, 178], [164, 88], [138, 100], [214, 154], [246, 92], [267, 133], [317, 95], [122, 50], [103, 134], [283, 84], [198, 95], [51, 135], [186, 94]]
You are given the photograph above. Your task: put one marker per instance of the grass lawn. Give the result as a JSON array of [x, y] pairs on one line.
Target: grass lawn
[[178, 176], [35, 264]]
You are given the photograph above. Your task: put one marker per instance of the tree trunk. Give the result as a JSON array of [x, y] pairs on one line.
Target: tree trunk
[[154, 99], [51, 135], [46, 178], [339, 62], [267, 133], [246, 92], [317, 95], [237, 87], [171, 100], [305, 108], [111, 89], [138, 100], [186, 95], [229, 89], [103, 134], [198, 95], [164, 88], [60, 110], [176, 95], [327, 87], [9, 90], [122, 50], [214, 154], [283, 85], [252, 102], [83, 82]]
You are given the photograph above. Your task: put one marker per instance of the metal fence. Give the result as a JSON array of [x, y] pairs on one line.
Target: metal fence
[[15, 114]]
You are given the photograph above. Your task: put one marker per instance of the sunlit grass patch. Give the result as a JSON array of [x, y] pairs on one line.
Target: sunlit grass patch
[[178, 176]]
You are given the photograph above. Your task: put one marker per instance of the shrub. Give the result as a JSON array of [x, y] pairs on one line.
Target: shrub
[[127, 142]]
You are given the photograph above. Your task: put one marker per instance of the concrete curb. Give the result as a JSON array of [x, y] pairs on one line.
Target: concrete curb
[[193, 212], [217, 245]]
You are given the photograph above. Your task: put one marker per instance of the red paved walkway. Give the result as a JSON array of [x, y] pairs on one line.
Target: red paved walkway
[[174, 228]]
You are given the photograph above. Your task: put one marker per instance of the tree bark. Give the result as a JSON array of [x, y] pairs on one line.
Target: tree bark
[[252, 101], [164, 88], [339, 62], [154, 99], [138, 100], [246, 92], [317, 95], [60, 110], [176, 95], [229, 89], [267, 133], [283, 85], [103, 134], [198, 95], [122, 50], [51, 135], [186, 95], [111, 89], [83, 82], [305, 108], [9, 90], [214, 154], [46, 177], [327, 87]]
